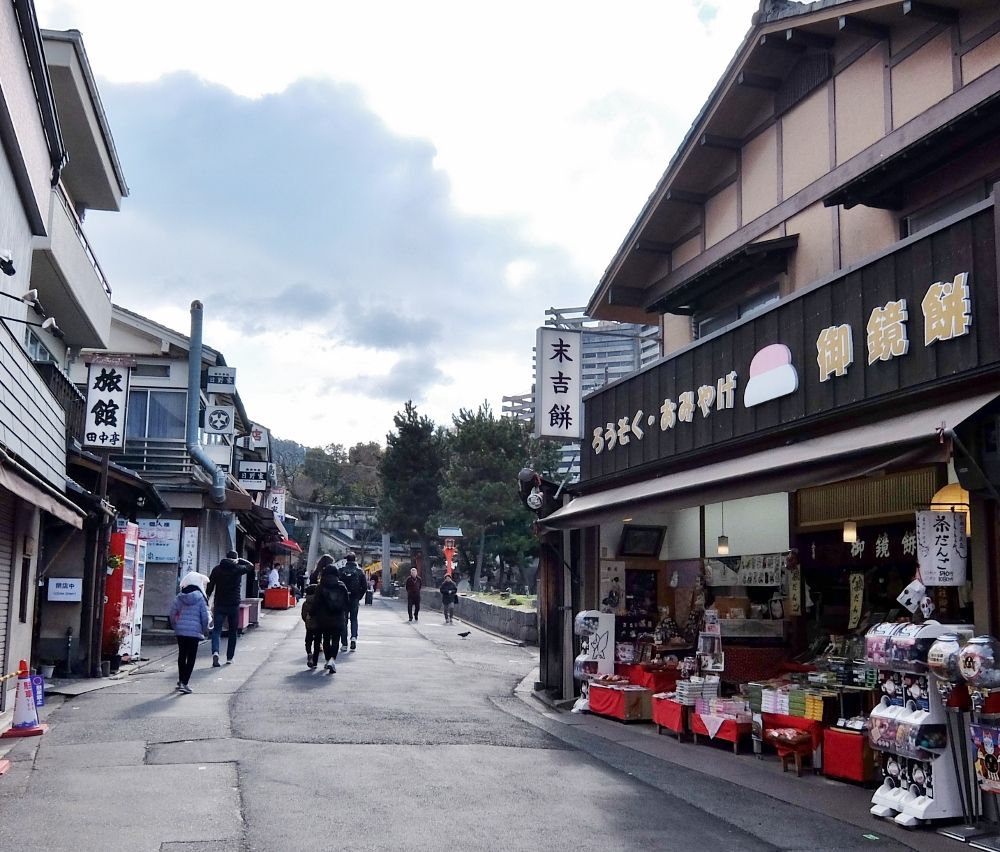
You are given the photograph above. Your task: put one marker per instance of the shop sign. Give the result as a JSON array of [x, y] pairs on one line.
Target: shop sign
[[162, 537], [221, 380], [942, 548], [221, 454], [189, 550], [107, 402], [38, 690], [220, 419], [68, 589], [985, 759], [857, 589], [559, 388], [259, 437], [253, 475], [275, 501]]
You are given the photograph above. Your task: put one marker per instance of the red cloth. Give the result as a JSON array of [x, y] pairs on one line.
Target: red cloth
[[730, 731], [847, 755], [810, 726], [625, 704], [669, 714], [658, 680]]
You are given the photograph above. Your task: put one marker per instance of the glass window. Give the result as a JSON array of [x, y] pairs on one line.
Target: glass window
[[37, 351], [942, 210], [156, 414], [748, 306], [156, 371]]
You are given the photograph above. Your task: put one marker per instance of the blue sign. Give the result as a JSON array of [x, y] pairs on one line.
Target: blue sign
[[38, 688]]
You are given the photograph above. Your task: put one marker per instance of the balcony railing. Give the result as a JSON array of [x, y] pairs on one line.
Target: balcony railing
[[82, 237], [67, 395], [154, 458]]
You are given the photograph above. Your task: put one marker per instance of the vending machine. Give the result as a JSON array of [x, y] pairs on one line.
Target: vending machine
[[140, 596], [120, 591]]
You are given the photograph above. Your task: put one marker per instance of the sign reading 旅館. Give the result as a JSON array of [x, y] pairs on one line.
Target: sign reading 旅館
[[942, 548], [107, 401]]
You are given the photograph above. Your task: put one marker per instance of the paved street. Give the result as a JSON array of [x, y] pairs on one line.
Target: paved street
[[417, 743]]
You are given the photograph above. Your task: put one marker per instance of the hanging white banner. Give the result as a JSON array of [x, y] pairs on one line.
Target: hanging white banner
[[942, 548], [558, 384], [107, 400]]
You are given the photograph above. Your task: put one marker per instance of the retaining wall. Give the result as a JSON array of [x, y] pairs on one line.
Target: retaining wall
[[521, 625]]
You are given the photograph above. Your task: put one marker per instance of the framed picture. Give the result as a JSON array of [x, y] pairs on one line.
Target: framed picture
[[641, 541]]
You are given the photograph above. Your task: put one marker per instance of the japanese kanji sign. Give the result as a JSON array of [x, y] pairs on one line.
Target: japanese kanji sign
[[558, 386], [221, 380], [942, 548], [107, 401], [220, 419], [253, 475], [162, 537], [258, 437], [275, 501]]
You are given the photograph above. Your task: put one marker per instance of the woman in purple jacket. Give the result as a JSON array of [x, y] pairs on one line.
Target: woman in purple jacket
[[189, 618]]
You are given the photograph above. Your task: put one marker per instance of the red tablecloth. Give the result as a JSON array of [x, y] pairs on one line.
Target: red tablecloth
[[730, 730], [657, 680], [846, 754], [811, 726], [625, 704], [669, 714]]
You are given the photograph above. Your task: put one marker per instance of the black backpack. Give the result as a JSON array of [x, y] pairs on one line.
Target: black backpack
[[333, 595], [354, 578]]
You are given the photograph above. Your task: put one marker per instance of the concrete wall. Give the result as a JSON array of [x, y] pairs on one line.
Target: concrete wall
[[513, 623]]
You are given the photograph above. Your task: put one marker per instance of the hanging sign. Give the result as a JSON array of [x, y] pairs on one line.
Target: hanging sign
[[221, 380], [65, 589], [259, 437], [220, 419], [107, 400], [942, 548], [189, 551], [275, 501], [162, 537], [221, 454], [253, 475], [558, 385], [857, 599]]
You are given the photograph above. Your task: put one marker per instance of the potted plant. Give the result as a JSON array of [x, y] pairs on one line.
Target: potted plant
[[111, 648], [114, 562]]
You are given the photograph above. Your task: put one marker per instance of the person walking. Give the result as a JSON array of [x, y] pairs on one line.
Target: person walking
[[189, 617], [273, 578], [413, 586], [321, 563], [353, 577], [332, 603], [449, 595], [314, 635], [224, 582]]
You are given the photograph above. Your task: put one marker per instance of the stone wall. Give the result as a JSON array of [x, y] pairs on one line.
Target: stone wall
[[520, 625]]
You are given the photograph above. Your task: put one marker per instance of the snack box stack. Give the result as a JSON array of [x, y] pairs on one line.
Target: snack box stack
[[690, 691], [864, 676], [755, 696], [832, 677], [730, 708], [814, 706], [796, 702]]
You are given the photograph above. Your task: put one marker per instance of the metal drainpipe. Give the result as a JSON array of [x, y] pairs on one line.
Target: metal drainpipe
[[194, 397]]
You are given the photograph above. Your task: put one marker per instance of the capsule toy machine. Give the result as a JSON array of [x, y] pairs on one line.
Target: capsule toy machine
[[908, 727], [120, 591]]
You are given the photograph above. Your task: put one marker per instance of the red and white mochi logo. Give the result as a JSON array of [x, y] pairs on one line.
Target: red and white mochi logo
[[771, 375]]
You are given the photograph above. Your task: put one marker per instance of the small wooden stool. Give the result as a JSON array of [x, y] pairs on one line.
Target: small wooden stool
[[793, 752]]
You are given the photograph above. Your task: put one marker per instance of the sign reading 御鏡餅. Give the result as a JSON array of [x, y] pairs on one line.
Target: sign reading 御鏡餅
[[558, 388]]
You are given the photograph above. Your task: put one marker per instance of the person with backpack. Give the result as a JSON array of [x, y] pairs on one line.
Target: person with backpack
[[225, 581], [189, 617], [449, 595], [314, 635], [332, 603], [357, 584]]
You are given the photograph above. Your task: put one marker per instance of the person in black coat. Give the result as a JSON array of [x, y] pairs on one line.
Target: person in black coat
[[449, 595], [331, 604], [225, 582]]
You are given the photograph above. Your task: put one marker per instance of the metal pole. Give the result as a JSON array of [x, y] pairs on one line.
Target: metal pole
[[386, 566], [100, 581]]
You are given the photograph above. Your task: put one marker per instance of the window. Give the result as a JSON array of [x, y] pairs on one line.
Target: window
[[37, 351], [706, 324], [152, 371], [156, 414], [942, 210]]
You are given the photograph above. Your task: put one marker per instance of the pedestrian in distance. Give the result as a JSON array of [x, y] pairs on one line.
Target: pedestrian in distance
[[332, 604], [353, 577], [314, 635], [370, 592], [321, 563], [273, 578], [189, 617], [225, 581], [413, 586], [449, 595]]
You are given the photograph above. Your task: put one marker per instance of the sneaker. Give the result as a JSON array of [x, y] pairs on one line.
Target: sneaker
[[215, 661], [229, 662], [185, 688], [343, 647], [354, 644], [331, 667], [411, 619], [309, 661]]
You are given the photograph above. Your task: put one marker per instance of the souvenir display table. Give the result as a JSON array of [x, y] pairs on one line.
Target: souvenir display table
[[847, 754], [729, 730], [812, 727], [626, 703], [669, 714], [278, 598], [656, 679]]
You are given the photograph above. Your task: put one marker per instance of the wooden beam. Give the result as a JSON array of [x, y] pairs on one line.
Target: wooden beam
[[802, 39], [653, 246], [929, 12], [777, 41], [629, 297], [854, 25], [728, 143], [684, 197], [758, 81]]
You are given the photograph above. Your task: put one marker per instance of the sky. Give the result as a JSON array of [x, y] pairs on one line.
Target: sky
[[376, 202]]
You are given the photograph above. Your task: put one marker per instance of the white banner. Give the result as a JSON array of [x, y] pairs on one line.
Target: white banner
[[275, 501], [220, 419], [107, 400], [221, 380], [558, 384], [189, 551], [162, 537], [253, 475], [259, 437], [942, 548]]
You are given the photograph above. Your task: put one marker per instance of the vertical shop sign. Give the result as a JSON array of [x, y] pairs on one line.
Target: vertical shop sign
[[189, 550], [942, 548], [275, 501], [558, 385], [857, 599], [107, 401]]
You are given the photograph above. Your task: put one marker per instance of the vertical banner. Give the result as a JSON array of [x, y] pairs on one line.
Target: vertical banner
[[275, 501], [558, 384], [942, 548], [107, 402], [857, 599], [189, 551]]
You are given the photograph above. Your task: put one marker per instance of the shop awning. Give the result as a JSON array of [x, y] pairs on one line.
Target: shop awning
[[43, 496], [288, 545], [906, 440]]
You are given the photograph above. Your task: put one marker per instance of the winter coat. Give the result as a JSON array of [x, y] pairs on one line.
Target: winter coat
[[225, 581], [413, 587], [309, 609], [332, 602], [354, 578], [189, 613], [449, 591]]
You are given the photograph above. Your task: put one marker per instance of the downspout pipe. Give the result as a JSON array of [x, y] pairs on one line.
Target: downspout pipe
[[194, 398]]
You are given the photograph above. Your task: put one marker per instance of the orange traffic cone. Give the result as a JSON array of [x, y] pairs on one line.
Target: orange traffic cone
[[25, 715]]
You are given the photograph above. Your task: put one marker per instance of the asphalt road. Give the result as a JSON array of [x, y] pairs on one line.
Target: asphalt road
[[417, 743]]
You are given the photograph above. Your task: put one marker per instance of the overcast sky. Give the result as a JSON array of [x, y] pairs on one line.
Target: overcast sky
[[377, 201]]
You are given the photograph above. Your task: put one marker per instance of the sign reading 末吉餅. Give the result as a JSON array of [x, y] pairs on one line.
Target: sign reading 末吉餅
[[253, 475], [107, 402], [558, 388], [221, 380], [942, 548]]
